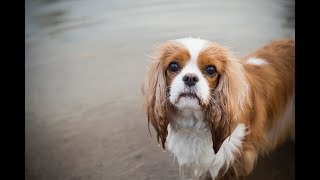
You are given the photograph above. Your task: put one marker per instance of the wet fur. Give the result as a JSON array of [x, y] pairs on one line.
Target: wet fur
[[259, 96]]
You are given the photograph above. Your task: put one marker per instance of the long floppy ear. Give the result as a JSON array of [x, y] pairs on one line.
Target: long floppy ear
[[229, 99], [155, 94]]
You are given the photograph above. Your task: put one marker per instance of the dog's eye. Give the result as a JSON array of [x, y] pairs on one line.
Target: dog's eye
[[210, 70], [174, 67]]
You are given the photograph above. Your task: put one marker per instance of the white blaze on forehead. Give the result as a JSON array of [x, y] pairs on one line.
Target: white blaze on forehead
[[256, 61], [194, 46]]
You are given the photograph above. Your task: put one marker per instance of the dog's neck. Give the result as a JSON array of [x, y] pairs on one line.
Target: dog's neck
[[189, 120]]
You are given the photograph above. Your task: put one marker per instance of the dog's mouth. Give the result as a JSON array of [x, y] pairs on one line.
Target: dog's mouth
[[189, 95]]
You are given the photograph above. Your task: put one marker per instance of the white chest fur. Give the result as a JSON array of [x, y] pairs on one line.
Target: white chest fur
[[189, 140]]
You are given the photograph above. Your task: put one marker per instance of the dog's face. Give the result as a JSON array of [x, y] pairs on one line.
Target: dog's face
[[194, 74], [191, 72]]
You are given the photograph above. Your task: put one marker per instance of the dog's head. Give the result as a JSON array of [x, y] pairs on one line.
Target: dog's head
[[194, 74]]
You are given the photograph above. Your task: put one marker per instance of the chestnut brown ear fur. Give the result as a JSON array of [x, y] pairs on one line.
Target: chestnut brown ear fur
[[230, 97], [155, 92]]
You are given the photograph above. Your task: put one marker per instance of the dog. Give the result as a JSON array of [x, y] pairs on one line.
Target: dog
[[217, 113]]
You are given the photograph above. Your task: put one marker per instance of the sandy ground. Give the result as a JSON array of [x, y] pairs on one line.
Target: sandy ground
[[85, 62]]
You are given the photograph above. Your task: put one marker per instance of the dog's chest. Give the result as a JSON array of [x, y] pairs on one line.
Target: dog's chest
[[189, 140]]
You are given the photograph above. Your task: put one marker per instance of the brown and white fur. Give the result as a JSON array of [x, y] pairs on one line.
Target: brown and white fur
[[220, 119]]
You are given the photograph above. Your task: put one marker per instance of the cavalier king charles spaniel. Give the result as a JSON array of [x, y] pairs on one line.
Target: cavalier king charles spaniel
[[217, 113]]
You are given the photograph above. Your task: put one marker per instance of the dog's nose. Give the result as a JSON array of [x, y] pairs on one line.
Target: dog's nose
[[190, 79]]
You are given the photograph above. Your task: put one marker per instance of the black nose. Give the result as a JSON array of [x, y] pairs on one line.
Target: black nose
[[190, 79]]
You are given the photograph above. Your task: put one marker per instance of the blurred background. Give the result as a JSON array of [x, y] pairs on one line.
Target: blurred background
[[84, 65]]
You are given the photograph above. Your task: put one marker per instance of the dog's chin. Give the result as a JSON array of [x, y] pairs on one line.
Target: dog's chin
[[186, 101]]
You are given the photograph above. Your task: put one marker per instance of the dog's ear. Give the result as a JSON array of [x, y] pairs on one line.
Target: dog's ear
[[155, 93], [228, 101]]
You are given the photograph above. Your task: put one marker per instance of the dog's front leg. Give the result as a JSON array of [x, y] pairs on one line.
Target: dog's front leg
[[230, 147]]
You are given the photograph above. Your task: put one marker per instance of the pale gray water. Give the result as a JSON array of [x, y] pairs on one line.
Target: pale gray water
[[85, 62]]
